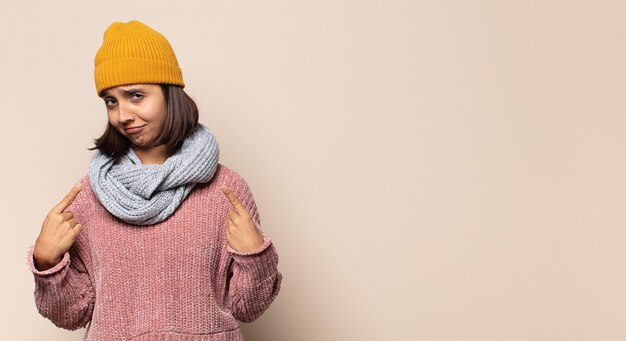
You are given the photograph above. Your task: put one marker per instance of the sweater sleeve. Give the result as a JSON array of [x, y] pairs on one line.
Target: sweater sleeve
[[254, 280], [64, 293]]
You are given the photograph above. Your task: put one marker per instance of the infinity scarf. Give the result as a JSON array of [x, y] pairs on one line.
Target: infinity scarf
[[148, 194]]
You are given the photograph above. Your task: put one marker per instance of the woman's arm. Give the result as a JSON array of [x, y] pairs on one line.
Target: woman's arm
[[254, 279], [254, 284], [64, 293]]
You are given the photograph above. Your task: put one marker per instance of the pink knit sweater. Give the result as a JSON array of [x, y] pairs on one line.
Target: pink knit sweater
[[175, 280]]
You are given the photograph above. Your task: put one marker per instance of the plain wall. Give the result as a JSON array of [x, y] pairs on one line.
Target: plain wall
[[428, 170]]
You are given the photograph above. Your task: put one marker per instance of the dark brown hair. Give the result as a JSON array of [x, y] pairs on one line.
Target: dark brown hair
[[180, 120]]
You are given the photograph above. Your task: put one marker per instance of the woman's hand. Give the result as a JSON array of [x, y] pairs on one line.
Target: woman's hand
[[58, 232], [242, 233]]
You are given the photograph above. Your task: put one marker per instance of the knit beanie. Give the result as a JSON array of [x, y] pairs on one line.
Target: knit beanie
[[135, 53]]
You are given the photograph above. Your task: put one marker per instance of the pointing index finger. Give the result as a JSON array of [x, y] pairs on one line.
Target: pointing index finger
[[69, 198], [233, 199]]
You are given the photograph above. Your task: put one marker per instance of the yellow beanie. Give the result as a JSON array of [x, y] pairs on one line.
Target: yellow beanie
[[135, 53]]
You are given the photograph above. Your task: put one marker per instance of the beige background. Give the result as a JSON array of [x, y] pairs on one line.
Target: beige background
[[429, 170]]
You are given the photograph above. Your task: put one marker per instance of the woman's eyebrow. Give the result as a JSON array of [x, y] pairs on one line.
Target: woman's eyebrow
[[127, 92], [131, 90]]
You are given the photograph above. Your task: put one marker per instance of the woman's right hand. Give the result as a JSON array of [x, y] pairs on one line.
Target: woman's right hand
[[58, 232]]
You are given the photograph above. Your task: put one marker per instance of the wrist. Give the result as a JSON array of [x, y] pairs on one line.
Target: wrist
[[252, 245], [265, 242], [43, 263]]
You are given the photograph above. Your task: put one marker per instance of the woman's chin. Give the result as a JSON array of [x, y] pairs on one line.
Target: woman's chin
[[139, 141]]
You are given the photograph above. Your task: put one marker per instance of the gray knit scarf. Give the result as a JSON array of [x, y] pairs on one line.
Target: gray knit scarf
[[147, 194]]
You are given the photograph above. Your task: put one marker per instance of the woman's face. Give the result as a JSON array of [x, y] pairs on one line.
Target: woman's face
[[137, 111]]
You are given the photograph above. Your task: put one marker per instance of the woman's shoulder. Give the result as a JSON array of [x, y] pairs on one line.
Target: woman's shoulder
[[228, 176], [86, 190], [225, 175], [85, 200]]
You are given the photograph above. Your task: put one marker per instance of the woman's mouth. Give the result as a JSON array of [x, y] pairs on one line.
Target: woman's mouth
[[133, 130]]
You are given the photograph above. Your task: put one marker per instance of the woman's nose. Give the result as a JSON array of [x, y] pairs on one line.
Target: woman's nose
[[125, 113]]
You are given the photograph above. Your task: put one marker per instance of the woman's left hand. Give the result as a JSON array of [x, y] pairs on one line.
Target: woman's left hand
[[242, 233]]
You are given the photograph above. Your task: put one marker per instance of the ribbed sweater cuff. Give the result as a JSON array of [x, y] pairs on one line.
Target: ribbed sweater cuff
[[266, 242], [258, 265], [30, 261]]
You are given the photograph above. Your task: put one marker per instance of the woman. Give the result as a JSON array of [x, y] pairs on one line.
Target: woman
[[158, 241]]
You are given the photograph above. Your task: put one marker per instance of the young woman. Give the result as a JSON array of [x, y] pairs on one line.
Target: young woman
[[158, 241]]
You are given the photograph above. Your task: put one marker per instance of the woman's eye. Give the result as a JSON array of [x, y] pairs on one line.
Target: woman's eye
[[138, 96], [107, 101]]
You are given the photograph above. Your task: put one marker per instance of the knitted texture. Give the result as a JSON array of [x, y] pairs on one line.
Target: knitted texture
[[175, 280], [147, 194], [134, 53]]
